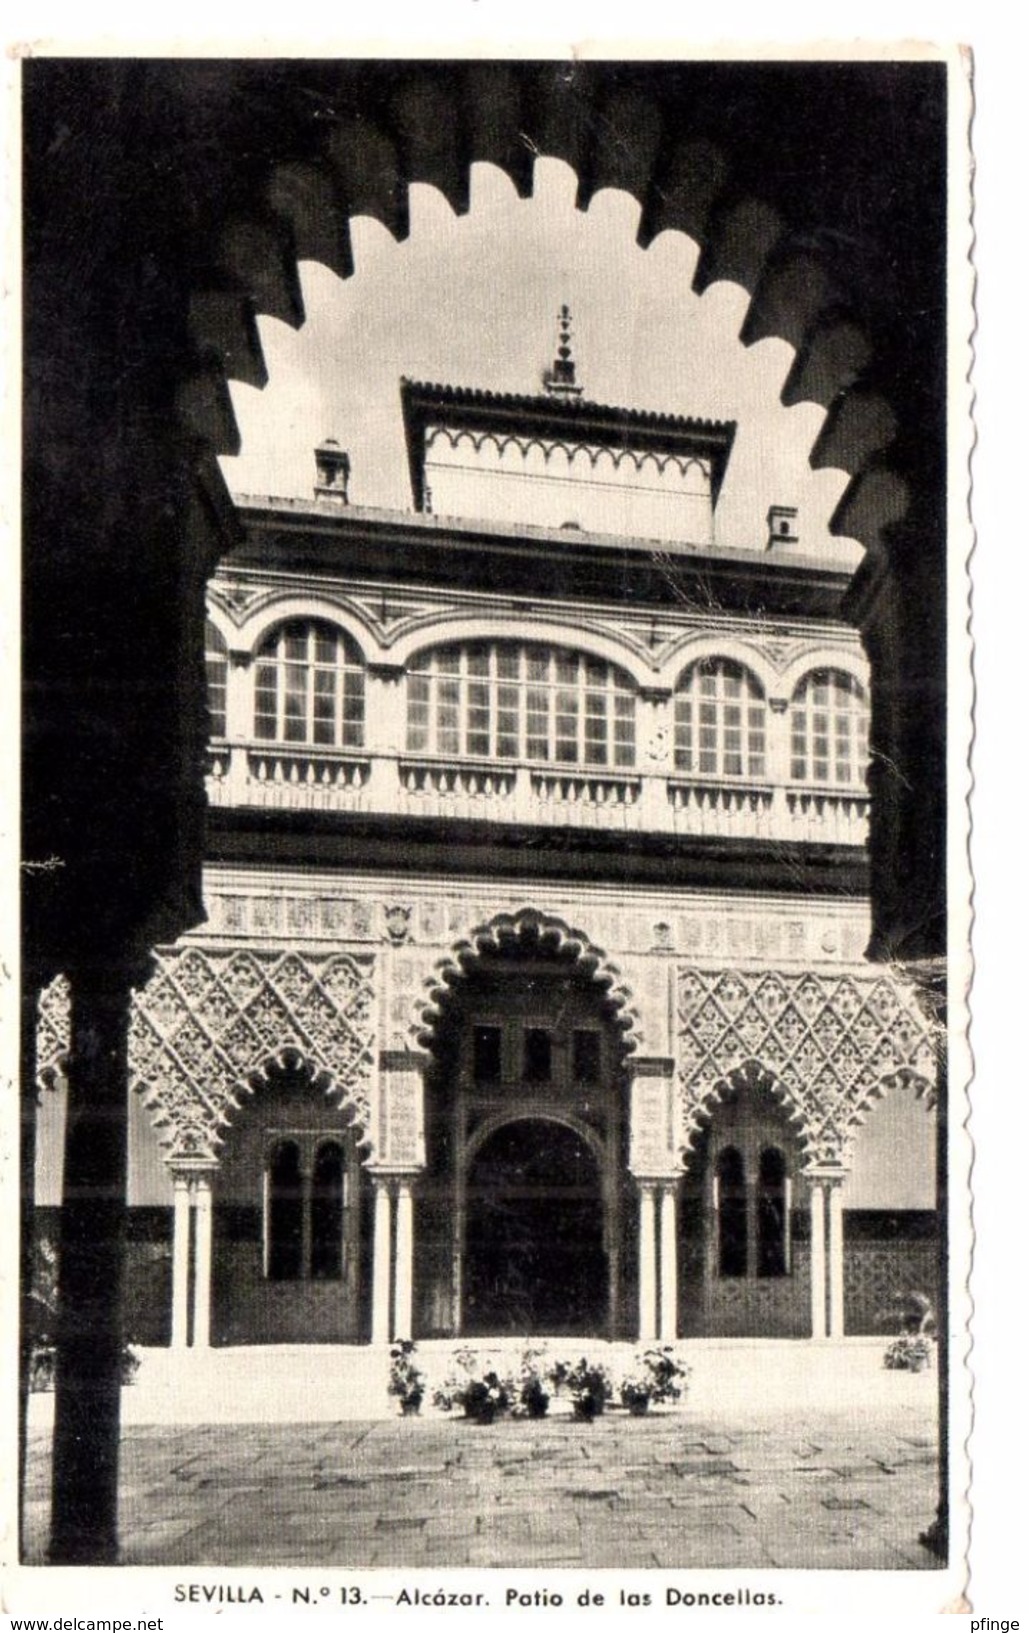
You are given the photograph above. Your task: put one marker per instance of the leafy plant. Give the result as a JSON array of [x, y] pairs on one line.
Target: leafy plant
[[482, 1397], [43, 1322], [588, 1384], [533, 1398], [912, 1349], [668, 1375], [406, 1380]]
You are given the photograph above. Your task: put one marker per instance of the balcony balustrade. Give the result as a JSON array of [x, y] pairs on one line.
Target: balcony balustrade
[[286, 777]]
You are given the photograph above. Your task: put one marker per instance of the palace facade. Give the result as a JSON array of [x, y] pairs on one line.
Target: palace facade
[[531, 996]]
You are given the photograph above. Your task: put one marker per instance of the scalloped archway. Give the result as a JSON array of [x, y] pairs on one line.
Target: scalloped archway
[[529, 928]]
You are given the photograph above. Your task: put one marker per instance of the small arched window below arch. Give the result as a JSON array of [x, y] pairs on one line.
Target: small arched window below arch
[[732, 1213], [284, 1248], [216, 658], [829, 729], [309, 687], [719, 720], [772, 1214], [328, 1202]]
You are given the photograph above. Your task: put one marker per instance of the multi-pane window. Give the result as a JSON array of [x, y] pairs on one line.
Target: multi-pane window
[[829, 729], [507, 702], [217, 660], [719, 721], [309, 687]]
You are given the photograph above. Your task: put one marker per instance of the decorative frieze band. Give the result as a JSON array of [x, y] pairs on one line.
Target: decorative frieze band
[[767, 933]]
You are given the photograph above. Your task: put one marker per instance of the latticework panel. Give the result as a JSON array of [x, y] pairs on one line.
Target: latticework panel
[[826, 1044], [208, 1024], [880, 1276]]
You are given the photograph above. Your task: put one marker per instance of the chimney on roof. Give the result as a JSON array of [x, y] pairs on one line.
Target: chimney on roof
[[782, 525], [332, 464], [559, 379]]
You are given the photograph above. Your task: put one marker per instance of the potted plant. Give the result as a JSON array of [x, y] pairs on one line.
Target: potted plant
[[912, 1349], [657, 1377], [406, 1380], [636, 1393], [533, 1397], [668, 1375], [589, 1386], [911, 1352], [482, 1397], [43, 1320]]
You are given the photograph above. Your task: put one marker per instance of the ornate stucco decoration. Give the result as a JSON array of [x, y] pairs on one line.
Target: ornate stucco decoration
[[208, 1025], [827, 1046], [527, 925], [53, 1032]]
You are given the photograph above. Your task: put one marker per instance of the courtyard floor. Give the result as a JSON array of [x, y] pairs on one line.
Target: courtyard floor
[[790, 1455]]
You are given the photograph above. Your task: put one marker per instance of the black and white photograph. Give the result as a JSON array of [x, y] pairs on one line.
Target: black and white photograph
[[493, 895]]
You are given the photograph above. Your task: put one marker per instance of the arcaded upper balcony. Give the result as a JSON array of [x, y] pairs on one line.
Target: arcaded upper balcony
[[539, 734]]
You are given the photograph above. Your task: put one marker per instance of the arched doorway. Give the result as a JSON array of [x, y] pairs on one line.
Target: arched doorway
[[524, 1221], [534, 1257]]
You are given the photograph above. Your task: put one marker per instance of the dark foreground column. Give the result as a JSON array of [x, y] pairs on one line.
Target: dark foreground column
[[87, 1407], [30, 1010]]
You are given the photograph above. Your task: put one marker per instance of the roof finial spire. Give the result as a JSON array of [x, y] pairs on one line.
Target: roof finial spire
[[559, 380]]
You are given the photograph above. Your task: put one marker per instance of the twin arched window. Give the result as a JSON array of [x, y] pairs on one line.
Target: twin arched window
[[309, 687], [504, 701], [304, 1214], [753, 1236]]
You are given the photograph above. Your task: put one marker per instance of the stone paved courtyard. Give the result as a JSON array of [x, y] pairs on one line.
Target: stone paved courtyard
[[823, 1489]]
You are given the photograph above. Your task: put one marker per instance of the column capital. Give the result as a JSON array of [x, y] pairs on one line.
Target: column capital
[[830, 1177], [404, 1060], [650, 1065]]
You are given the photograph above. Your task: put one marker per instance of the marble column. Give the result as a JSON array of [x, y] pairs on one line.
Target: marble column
[[669, 1266], [404, 1292], [648, 1263], [817, 1259], [382, 1249], [180, 1262], [202, 1278], [836, 1288]]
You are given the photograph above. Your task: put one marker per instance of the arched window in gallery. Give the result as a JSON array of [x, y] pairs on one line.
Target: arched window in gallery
[[731, 1209], [216, 658], [284, 1213], [720, 720], [829, 729], [309, 687], [498, 700], [773, 1222]]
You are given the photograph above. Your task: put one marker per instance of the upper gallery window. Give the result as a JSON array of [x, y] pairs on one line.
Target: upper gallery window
[[829, 729], [719, 720], [309, 687], [217, 659], [498, 701]]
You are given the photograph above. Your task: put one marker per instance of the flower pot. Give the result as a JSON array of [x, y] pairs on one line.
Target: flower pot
[[638, 1408], [587, 1409], [410, 1409], [485, 1413]]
